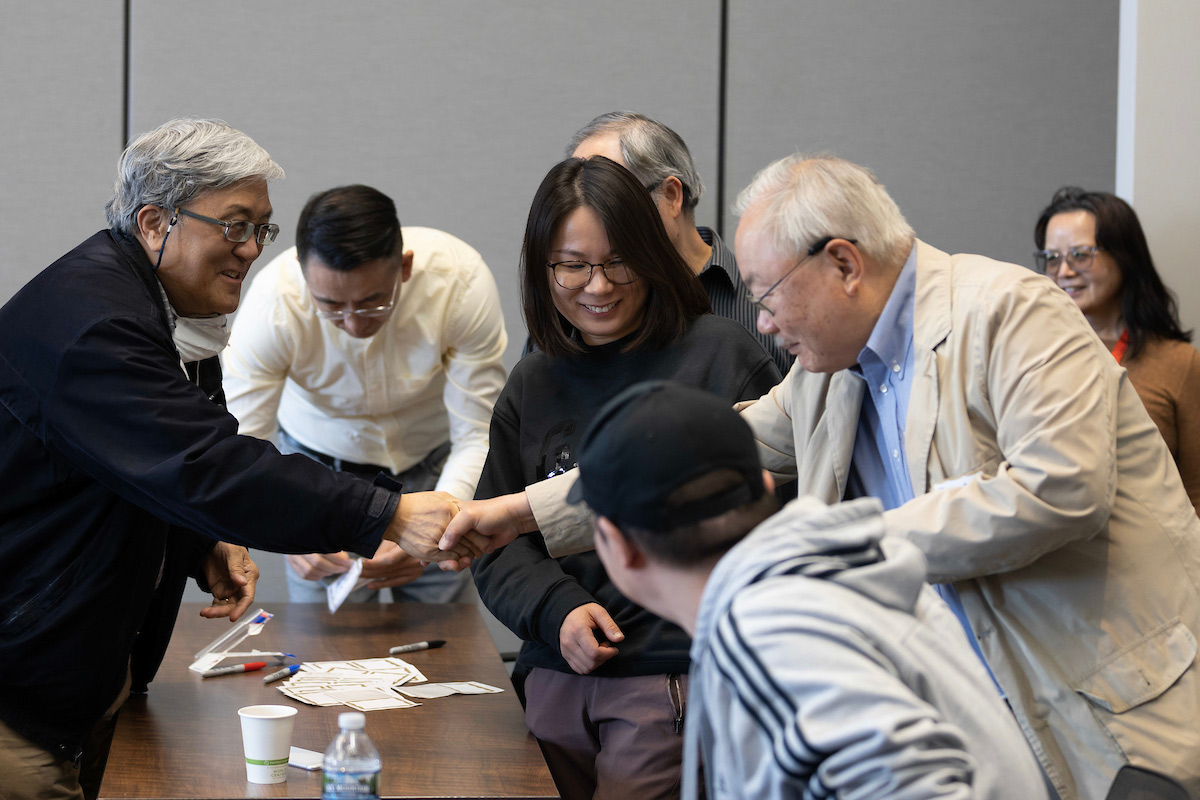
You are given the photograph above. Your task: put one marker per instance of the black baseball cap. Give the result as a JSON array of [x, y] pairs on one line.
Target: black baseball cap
[[653, 438]]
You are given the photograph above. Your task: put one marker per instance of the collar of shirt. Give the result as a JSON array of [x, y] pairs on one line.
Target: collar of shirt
[[721, 257], [879, 465], [890, 343]]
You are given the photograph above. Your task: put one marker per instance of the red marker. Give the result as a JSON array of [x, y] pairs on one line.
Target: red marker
[[251, 667]]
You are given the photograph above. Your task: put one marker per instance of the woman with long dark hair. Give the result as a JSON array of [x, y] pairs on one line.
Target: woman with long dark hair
[[608, 303], [1092, 245]]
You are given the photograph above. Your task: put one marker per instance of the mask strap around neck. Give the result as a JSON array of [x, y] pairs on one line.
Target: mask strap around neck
[[170, 225]]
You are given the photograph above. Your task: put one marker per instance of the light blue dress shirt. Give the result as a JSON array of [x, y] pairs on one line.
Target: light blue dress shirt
[[879, 466]]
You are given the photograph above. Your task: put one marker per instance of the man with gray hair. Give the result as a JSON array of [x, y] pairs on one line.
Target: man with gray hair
[[974, 400], [660, 159], [123, 474]]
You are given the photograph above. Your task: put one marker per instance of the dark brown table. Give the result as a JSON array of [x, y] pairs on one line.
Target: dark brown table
[[183, 739]]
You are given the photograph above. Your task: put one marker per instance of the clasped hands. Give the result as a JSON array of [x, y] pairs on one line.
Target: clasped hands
[[427, 522], [422, 521]]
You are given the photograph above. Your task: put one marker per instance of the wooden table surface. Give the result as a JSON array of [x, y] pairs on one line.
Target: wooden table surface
[[183, 739]]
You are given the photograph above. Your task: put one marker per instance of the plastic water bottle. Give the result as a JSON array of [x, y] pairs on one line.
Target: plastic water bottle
[[352, 765]]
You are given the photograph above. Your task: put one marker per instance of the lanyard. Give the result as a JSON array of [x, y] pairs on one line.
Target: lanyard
[[1118, 350]]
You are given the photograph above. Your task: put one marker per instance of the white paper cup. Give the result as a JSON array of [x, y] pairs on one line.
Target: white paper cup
[[267, 740]]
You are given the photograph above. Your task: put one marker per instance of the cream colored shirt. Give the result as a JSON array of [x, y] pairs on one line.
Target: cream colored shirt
[[431, 374]]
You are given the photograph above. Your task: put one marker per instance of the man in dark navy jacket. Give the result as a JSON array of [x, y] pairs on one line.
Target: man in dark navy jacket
[[122, 472]]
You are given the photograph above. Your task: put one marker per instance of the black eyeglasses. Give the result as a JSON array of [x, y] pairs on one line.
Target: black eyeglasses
[[239, 230], [817, 247], [578, 274], [1049, 262]]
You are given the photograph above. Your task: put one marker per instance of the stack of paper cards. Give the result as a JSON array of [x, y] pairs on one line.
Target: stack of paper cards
[[431, 690], [365, 685]]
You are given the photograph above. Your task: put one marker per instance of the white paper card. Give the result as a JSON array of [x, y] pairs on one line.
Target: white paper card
[[337, 592], [427, 691]]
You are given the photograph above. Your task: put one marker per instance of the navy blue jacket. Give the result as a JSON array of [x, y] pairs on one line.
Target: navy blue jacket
[[110, 458]]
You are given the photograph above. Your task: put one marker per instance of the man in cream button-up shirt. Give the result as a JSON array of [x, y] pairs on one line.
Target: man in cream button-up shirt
[[370, 349]]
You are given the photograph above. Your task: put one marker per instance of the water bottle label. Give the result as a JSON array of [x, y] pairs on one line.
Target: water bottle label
[[350, 786]]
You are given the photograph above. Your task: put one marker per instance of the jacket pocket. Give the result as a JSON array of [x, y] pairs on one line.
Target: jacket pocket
[[36, 608], [1142, 671]]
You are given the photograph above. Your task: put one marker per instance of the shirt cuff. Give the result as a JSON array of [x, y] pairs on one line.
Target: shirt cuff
[[566, 528]]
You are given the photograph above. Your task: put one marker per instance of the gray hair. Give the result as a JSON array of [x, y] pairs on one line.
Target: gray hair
[[804, 198], [652, 151], [179, 161]]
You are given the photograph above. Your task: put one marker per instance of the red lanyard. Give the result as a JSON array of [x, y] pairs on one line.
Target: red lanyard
[[1118, 350]]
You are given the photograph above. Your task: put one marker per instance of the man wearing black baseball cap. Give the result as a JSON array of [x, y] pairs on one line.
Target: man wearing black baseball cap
[[821, 660]]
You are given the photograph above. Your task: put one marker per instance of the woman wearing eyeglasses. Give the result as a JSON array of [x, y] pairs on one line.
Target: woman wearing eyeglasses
[[608, 302], [1092, 245]]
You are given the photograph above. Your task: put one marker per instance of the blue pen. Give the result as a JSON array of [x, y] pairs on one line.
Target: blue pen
[[283, 673]]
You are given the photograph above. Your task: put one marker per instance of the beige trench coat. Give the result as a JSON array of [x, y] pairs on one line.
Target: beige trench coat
[[1045, 493]]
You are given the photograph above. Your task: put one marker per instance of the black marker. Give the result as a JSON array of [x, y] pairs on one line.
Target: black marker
[[412, 648]]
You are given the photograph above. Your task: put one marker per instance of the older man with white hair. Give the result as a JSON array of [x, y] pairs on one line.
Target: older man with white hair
[[1007, 444], [974, 400]]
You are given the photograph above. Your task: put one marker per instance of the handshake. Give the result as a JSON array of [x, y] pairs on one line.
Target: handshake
[[438, 527]]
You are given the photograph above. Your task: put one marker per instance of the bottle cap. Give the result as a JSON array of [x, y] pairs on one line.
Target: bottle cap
[[352, 720]]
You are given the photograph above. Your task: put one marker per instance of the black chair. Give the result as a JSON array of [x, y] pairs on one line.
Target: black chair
[[1136, 783]]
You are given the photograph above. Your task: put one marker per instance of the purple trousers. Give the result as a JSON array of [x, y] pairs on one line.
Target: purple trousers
[[609, 738]]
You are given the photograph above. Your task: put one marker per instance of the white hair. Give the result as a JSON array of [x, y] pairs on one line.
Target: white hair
[[179, 161], [802, 199], [651, 151]]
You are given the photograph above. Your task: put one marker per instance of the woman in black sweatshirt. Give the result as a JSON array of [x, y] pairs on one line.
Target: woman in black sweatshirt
[[608, 303]]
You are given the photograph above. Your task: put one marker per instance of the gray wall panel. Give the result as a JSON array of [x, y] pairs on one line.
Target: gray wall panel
[[453, 108], [61, 79], [972, 113]]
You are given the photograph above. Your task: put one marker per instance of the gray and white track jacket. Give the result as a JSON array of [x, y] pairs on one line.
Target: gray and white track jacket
[[824, 666]]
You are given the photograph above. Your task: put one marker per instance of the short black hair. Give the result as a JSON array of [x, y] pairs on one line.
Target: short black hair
[[674, 296], [348, 226], [1147, 305]]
